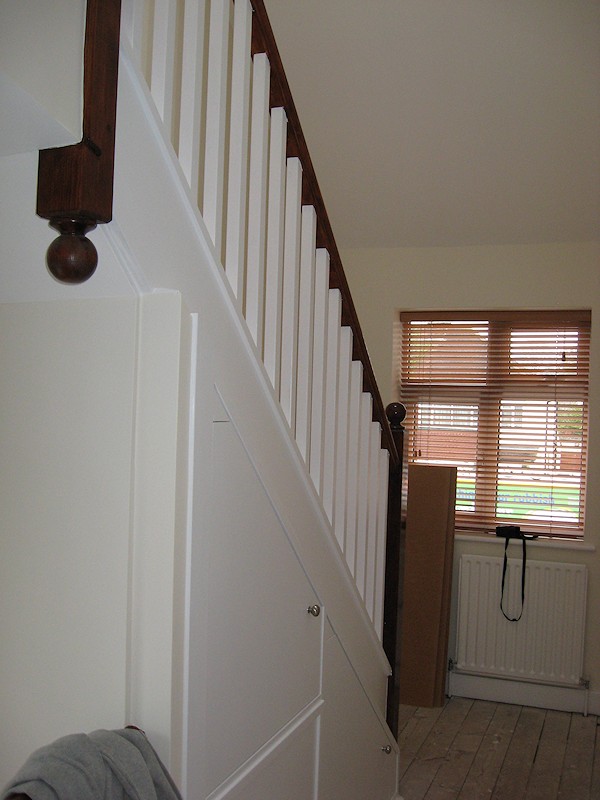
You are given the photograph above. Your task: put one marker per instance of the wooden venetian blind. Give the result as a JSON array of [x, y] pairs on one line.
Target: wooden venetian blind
[[503, 396]]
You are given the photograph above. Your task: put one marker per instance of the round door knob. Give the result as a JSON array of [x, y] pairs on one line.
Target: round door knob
[[314, 610], [387, 749]]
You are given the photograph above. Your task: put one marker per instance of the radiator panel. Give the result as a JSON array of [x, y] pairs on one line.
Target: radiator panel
[[546, 645]]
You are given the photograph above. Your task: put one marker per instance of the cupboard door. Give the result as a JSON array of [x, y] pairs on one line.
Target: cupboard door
[[353, 762], [286, 773], [261, 650]]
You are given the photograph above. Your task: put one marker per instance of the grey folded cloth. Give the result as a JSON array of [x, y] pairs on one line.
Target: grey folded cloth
[[104, 765]]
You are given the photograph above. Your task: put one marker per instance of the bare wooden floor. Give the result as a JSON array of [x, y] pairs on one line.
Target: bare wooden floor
[[473, 749]]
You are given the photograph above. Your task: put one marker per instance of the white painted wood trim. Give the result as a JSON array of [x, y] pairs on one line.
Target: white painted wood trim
[[132, 26], [291, 286], [275, 239], [384, 476], [334, 318], [341, 456], [317, 426], [216, 113], [366, 415], [559, 698], [373, 503], [306, 316], [356, 389], [257, 199], [239, 125], [192, 113], [163, 60]]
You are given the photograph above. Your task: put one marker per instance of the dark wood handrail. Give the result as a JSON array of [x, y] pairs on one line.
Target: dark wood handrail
[[75, 183], [263, 41]]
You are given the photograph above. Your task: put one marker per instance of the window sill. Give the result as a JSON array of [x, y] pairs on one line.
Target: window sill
[[551, 544]]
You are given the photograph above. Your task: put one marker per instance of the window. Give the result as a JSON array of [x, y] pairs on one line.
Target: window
[[503, 396]]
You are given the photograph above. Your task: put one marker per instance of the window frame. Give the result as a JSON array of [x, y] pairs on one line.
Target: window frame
[[500, 384]]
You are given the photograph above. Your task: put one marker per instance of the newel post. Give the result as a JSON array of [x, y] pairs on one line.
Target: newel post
[[75, 183], [394, 562]]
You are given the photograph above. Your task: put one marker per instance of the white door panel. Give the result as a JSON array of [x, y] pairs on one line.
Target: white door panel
[[288, 773], [262, 649], [353, 761]]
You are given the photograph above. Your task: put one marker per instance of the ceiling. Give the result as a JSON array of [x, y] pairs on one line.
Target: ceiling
[[449, 122]]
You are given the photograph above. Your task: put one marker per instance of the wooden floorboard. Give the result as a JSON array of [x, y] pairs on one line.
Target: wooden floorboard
[[518, 762], [483, 774], [477, 750], [452, 773], [433, 752], [576, 777], [414, 733], [544, 779]]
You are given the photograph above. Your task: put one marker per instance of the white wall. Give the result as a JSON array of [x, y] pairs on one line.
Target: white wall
[[41, 73], [530, 276], [89, 393], [67, 372]]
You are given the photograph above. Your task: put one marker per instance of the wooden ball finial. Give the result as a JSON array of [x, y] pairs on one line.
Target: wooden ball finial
[[395, 412], [71, 257]]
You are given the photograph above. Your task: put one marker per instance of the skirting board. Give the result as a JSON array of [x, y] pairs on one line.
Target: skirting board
[[559, 698]]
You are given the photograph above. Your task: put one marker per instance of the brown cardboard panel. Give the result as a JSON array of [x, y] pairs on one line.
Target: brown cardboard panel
[[427, 584]]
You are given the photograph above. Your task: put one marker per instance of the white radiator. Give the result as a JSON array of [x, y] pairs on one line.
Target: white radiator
[[546, 645]]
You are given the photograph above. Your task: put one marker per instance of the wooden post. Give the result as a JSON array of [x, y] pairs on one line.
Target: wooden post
[[394, 562], [75, 183]]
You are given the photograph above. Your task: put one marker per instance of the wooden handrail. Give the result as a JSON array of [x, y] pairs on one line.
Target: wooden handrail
[[75, 183], [263, 41]]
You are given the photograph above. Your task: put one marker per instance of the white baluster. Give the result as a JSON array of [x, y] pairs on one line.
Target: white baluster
[[306, 316], [132, 26], [216, 111], [366, 413], [356, 391], [257, 199], [382, 505], [191, 113], [291, 281], [372, 506], [239, 124], [274, 262], [163, 60], [317, 426], [334, 317], [341, 459]]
